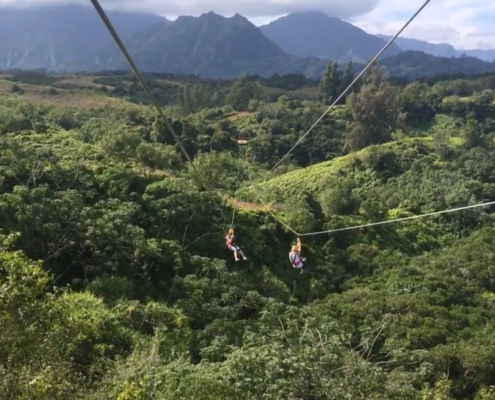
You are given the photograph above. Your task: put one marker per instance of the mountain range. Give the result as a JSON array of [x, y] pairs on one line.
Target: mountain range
[[72, 38], [47, 37], [314, 34], [440, 49], [210, 45]]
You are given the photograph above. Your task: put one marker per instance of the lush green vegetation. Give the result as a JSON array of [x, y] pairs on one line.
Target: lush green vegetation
[[115, 282]]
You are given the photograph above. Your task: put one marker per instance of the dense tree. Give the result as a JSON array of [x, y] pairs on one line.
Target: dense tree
[[418, 104], [330, 83], [347, 79], [115, 282], [375, 111], [243, 91], [194, 98]]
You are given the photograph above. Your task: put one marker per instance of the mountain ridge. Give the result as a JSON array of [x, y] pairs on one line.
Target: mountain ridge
[[310, 33], [440, 49], [46, 37], [213, 46], [73, 39], [209, 45]]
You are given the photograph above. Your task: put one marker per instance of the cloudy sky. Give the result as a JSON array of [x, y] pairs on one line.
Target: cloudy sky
[[467, 24]]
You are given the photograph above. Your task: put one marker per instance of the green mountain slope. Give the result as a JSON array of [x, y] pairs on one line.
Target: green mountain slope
[[318, 35], [377, 184], [210, 45], [312, 179], [415, 64], [49, 37], [440, 49]]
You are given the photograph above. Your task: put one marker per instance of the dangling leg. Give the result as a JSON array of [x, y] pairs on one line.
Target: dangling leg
[[236, 253], [242, 254], [234, 250], [303, 268]]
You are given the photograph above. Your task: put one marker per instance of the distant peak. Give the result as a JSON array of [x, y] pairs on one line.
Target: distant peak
[[184, 17], [311, 16], [315, 13], [238, 18], [211, 14]]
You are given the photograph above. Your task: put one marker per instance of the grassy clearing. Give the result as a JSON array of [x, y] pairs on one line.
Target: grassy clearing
[[268, 90], [453, 141], [171, 83], [239, 115], [244, 205], [80, 82], [308, 178], [55, 96], [464, 99], [309, 92], [312, 179]]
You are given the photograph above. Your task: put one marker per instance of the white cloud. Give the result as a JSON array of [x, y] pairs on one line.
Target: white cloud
[[466, 24], [248, 8]]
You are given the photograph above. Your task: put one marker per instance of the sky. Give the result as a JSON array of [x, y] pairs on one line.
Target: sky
[[466, 24]]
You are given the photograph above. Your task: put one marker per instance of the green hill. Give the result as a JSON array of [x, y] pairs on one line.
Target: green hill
[[377, 183], [415, 64], [312, 179]]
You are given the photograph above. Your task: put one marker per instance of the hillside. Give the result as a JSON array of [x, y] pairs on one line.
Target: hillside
[[440, 49], [115, 282], [49, 37], [408, 65], [314, 34], [415, 64], [210, 45]]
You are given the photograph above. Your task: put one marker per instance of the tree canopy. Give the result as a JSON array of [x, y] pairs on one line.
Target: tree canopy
[[115, 282]]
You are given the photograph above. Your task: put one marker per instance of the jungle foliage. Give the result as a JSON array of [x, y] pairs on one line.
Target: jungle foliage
[[115, 282]]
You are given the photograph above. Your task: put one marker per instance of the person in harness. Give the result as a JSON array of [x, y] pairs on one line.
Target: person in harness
[[229, 242], [295, 257]]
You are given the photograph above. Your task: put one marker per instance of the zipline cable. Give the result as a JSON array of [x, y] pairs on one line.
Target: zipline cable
[[353, 82], [120, 44], [134, 68], [234, 209], [370, 63], [263, 204], [267, 209], [398, 219]]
